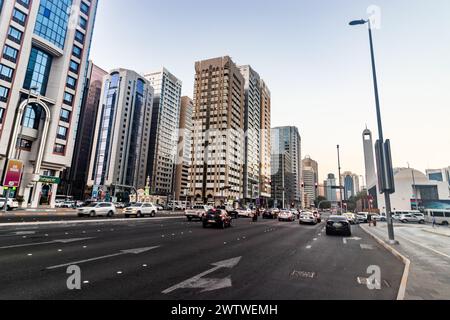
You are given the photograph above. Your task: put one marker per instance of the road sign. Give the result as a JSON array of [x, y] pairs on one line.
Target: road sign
[[49, 180], [384, 167], [13, 174]]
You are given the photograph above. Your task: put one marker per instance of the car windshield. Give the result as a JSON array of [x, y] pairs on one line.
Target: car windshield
[[136, 205], [91, 205]]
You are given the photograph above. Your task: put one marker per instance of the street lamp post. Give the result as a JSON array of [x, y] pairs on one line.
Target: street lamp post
[[340, 178], [387, 197]]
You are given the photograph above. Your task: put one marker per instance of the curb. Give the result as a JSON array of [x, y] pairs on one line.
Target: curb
[[398, 255], [438, 233]]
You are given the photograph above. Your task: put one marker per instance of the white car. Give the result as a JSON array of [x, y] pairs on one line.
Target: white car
[[11, 204], [140, 209], [247, 213], [98, 209], [286, 215], [308, 218], [416, 217], [197, 212]]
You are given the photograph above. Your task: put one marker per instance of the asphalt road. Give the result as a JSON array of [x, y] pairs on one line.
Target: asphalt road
[[170, 258]]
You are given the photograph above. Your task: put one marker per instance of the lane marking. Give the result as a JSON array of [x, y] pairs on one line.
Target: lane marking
[[367, 246], [308, 247], [47, 242], [208, 284], [122, 252], [353, 238], [303, 274]]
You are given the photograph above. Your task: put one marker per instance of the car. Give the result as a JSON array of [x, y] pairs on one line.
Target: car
[[270, 214], [379, 217], [216, 217], [245, 212], [415, 217], [141, 209], [119, 205], [10, 204], [308, 217], [159, 207], [338, 225], [196, 212], [351, 217], [286, 215], [362, 217], [97, 209], [230, 210]]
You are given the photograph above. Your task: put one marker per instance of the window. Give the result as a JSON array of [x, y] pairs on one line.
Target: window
[[71, 82], [84, 8], [64, 115], [83, 23], [68, 98], [74, 66], [25, 144], [19, 17], [61, 133], [14, 35], [79, 36], [2, 113], [6, 73], [38, 70], [52, 21], [3, 94], [76, 51], [10, 53], [29, 118], [25, 3], [59, 148]]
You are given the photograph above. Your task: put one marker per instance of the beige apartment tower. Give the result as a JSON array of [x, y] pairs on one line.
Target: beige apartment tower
[[218, 120]]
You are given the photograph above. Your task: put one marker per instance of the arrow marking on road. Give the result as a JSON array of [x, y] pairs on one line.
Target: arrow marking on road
[[122, 252], [367, 246], [208, 284], [354, 238], [47, 242]]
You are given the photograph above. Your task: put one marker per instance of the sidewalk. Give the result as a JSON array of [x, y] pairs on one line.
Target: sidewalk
[[428, 250]]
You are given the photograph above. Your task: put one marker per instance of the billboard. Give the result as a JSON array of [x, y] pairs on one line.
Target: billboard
[[13, 174]]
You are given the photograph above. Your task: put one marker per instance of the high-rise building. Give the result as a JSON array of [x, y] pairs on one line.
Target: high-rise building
[[282, 178], [265, 145], [122, 135], [330, 191], [164, 131], [75, 178], [310, 181], [45, 50], [218, 119], [351, 184], [369, 161], [287, 140], [252, 128], [184, 149]]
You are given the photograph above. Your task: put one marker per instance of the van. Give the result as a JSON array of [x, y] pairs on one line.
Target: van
[[442, 217]]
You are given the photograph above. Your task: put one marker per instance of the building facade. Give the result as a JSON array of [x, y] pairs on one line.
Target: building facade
[[164, 131], [218, 119], [122, 135], [287, 139], [330, 191], [184, 149], [75, 178], [310, 169], [442, 175], [265, 145], [45, 48], [252, 128], [351, 184]]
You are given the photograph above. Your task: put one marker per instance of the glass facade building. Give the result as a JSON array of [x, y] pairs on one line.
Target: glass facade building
[[52, 21], [38, 70]]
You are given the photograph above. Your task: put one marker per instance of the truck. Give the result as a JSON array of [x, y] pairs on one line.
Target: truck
[[196, 212]]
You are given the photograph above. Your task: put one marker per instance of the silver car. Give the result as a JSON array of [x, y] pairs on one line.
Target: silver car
[[98, 209], [308, 218]]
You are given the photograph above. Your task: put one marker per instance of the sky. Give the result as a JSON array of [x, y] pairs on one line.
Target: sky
[[316, 66]]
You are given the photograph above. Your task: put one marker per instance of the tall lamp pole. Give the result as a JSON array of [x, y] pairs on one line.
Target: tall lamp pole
[[387, 197], [340, 178]]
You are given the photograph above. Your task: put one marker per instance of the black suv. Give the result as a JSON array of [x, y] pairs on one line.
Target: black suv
[[216, 217]]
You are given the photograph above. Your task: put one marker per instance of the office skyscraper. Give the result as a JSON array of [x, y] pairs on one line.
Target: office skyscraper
[[265, 145], [122, 132], [164, 131], [45, 48], [218, 119]]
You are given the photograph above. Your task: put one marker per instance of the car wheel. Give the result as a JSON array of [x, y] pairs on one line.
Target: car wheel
[[421, 221], [153, 214], [445, 223], [139, 214], [349, 234], [222, 225], [92, 213], [404, 221], [8, 208], [110, 214]]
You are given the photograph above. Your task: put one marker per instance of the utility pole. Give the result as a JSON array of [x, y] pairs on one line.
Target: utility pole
[[340, 178]]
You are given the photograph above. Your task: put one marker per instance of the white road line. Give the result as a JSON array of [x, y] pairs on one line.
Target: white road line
[[47, 242], [308, 247], [131, 251]]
